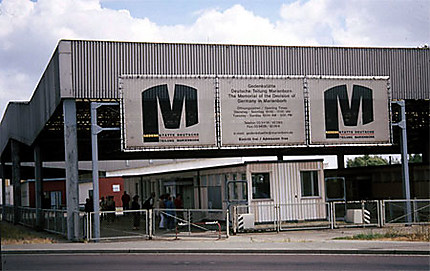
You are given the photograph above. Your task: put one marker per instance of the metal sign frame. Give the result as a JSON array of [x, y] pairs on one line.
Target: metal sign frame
[[219, 106]]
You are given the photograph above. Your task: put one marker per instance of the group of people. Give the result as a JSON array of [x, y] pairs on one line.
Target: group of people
[[168, 215], [148, 204], [108, 204], [166, 203]]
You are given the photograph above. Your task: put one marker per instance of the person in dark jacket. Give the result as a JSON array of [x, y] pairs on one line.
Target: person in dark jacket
[[136, 214], [125, 201], [89, 207]]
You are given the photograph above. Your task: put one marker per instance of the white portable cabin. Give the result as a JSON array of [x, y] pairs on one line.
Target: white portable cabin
[[296, 190]]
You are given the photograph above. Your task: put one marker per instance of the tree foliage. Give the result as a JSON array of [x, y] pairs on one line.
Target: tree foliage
[[415, 158], [366, 160]]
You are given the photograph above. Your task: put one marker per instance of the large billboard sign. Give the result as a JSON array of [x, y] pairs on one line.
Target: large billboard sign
[[224, 112], [261, 111], [349, 110], [165, 113]]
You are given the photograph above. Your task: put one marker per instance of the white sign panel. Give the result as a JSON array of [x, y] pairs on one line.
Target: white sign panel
[[261, 111], [168, 112], [349, 111]]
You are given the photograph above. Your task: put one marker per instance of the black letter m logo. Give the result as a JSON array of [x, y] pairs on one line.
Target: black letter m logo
[[349, 113], [171, 114]]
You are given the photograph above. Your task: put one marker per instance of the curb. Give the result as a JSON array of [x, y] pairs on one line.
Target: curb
[[216, 251]]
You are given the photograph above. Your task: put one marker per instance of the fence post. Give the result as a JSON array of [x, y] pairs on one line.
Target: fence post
[[378, 209], [414, 210], [382, 213], [332, 215], [90, 226], [87, 226], [189, 221], [234, 220], [227, 222], [278, 217], [149, 223]]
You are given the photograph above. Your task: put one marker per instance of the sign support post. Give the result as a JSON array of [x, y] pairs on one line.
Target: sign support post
[[405, 165], [95, 130]]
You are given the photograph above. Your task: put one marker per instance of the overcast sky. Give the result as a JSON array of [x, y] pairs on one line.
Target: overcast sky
[[30, 30]]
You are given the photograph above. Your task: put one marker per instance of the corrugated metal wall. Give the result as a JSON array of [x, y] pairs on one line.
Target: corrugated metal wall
[[96, 65], [23, 121]]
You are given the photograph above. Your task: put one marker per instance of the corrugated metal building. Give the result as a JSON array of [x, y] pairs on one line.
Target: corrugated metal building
[[88, 70], [55, 124]]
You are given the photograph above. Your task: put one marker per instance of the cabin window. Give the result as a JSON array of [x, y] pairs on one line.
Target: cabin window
[[309, 183], [260, 186]]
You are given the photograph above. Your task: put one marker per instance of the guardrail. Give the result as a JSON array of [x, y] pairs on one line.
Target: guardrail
[[119, 225], [190, 223], [356, 213], [159, 223], [395, 211], [7, 213], [330, 215], [55, 221], [211, 223], [27, 216]]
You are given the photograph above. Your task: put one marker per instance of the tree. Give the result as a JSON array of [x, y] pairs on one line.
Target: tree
[[366, 160], [415, 158]]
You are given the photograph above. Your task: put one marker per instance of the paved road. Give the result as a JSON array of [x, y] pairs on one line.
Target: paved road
[[213, 262]]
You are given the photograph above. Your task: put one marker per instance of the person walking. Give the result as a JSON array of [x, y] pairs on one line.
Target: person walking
[[135, 206], [162, 207], [125, 201], [110, 206], [149, 202], [170, 213], [179, 205]]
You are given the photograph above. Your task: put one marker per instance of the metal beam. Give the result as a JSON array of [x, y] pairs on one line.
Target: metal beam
[[72, 172], [3, 187], [38, 165], [341, 161], [16, 180]]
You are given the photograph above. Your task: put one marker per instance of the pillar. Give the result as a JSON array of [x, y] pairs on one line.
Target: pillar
[[38, 165], [16, 180], [71, 166], [340, 161], [426, 152], [3, 187]]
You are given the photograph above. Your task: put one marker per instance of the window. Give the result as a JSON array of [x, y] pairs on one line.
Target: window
[[260, 186], [55, 197], [309, 181], [214, 197]]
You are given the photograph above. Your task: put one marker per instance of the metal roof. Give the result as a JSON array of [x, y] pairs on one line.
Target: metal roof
[[86, 70]]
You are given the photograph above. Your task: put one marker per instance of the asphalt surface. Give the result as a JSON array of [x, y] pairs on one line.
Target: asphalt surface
[[290, 242], [202, 262]]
